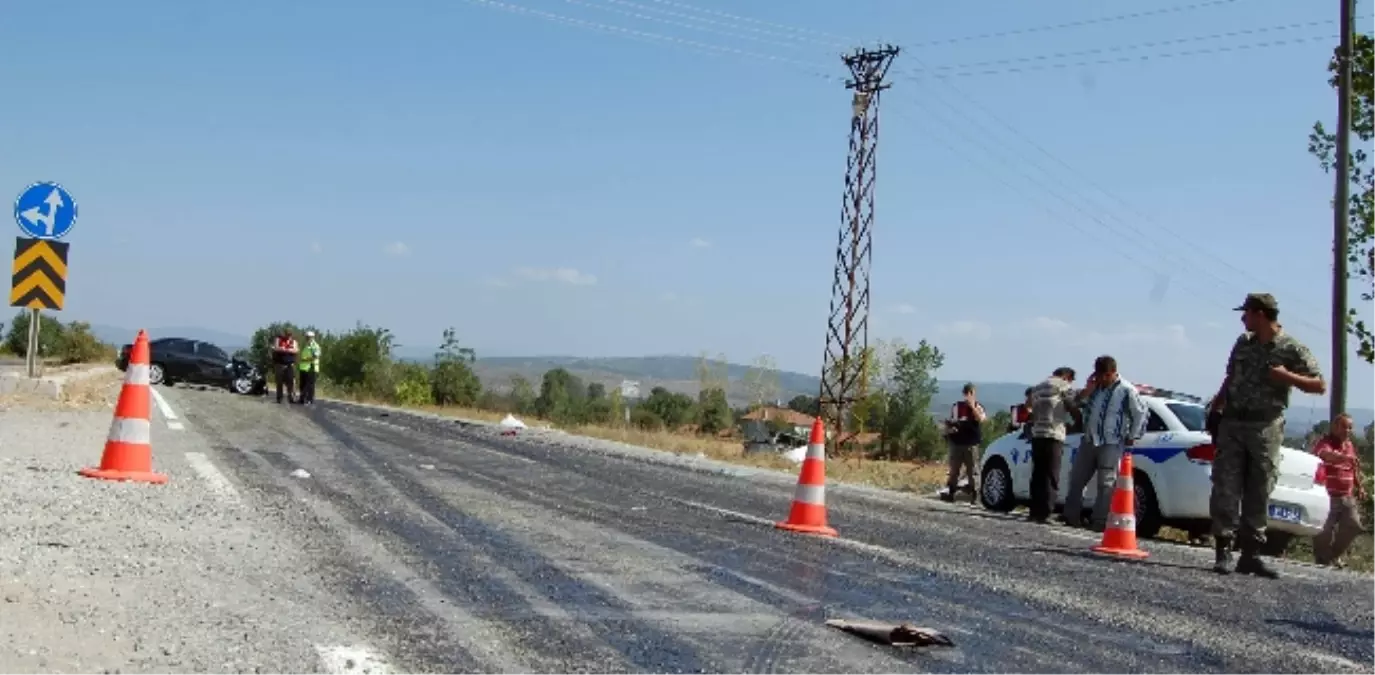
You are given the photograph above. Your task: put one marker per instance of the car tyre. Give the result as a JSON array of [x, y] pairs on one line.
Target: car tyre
[[156, 375], [242, 386], [1276, 544], [995, 492], [1148, 518]]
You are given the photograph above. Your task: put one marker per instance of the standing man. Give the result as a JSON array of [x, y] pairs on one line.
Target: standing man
[[284, 351], [310, 368], [1343, 466], [1115, 416], [966, 437], [1051, 402], [1264, 365]]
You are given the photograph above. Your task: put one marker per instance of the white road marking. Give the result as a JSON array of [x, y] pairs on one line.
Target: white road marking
[[168, 415], [351, 659], [219, 484]]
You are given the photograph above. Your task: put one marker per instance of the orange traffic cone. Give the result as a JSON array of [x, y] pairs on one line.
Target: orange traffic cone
[[1119, 538], [808, 514], [128, 449]]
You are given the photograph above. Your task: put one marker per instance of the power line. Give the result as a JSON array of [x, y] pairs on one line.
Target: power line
[[1176, 9], [1246, 46], [1134, 47], [681, 24]]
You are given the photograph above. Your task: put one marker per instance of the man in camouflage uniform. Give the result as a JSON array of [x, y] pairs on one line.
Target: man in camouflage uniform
[[1265, 363]]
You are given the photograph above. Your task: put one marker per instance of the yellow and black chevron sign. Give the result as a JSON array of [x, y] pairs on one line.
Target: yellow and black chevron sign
[[39, 279]]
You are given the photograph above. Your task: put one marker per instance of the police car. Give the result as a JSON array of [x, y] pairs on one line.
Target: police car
[[1172, 465]]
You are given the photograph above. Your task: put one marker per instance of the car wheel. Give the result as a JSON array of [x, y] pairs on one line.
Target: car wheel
[[1148, 518], [156, 375], [241, 386], [996, 491], [1276, 543]]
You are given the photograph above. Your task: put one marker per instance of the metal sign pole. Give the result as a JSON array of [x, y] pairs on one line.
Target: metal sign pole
[[31, 354]]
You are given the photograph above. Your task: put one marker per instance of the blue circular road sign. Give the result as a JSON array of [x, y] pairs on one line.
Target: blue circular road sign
[[45, 211]]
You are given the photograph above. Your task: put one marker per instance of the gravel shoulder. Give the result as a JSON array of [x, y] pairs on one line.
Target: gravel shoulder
[[99, 576]]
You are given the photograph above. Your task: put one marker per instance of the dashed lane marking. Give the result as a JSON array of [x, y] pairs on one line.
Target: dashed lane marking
[[351, 660], [168, 415], [219, 484]]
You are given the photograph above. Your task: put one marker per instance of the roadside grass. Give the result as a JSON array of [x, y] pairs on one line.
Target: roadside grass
[[899, 476]]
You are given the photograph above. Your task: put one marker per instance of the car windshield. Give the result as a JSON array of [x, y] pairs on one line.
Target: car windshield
[[1193, 417]]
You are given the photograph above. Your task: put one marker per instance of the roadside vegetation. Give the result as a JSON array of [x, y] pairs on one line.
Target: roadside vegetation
[[58, 343]]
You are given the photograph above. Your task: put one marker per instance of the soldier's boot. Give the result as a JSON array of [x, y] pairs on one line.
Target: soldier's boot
[[1223, 561], [1252, 563]]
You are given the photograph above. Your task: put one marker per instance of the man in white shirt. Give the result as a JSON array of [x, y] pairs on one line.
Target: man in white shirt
[[1114, 417]]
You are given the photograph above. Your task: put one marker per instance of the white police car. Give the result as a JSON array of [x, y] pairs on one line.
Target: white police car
[[1172, 466]]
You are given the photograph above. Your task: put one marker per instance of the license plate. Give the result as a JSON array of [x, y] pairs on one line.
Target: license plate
[[1288, 514]]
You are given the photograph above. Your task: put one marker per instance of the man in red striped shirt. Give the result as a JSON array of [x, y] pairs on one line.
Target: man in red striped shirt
[[1343, 469]]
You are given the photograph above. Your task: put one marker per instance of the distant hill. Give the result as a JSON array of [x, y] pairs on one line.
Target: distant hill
[[679, 374]]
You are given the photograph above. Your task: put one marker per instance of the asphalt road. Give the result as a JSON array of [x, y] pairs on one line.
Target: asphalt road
[[467, 551]]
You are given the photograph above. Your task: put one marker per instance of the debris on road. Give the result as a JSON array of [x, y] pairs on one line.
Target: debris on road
[[300, 473], [893, 634], [510, 425]]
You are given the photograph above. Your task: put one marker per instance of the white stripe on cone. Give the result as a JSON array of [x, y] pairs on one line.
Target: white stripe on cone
[[131, 431], [810, 494], [136, 373], [816, 451]]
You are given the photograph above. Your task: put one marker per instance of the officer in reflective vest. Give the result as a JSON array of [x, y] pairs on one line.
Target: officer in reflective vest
[[310, 368]]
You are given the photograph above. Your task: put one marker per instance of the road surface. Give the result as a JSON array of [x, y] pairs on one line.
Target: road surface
[[442, 547]]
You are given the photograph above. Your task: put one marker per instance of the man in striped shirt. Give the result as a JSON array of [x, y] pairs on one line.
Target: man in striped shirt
[[1115, 416], [1343, 467]]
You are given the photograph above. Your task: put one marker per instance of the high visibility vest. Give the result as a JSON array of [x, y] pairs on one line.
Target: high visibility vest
[[310, 357]]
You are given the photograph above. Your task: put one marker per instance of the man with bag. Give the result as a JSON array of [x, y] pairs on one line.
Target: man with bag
[[964, 431]]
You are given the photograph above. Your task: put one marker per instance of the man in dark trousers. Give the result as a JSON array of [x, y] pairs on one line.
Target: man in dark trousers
[[284, 351], [1052, 401], [965, 427], [1265, 364]]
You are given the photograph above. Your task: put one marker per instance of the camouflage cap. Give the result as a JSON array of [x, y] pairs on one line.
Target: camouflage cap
[[1259, 301]]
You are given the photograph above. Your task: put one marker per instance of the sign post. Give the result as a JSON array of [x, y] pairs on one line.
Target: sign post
[[629, 389], [45, 213]]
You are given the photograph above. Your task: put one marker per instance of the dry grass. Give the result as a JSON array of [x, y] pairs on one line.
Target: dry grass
[[95, 393], [903, 476], [1360, 557]]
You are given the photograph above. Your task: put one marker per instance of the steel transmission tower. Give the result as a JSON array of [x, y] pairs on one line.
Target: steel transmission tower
[[847, 331]]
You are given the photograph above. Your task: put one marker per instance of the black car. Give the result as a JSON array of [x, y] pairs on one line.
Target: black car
[[174, 360]]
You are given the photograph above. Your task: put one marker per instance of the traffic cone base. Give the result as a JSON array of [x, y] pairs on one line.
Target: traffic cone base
[[808, 512], [128, 452], [129, 476], [1119, 537]]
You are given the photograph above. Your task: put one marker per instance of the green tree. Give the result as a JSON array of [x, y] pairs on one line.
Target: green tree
[[452, 381], [674, 410], [522, 395], [50, 333], [1361, 207], [910, 426], [596, 391], [77, 344], [807, 405], [561, 397], [714, 414], [995, 426]]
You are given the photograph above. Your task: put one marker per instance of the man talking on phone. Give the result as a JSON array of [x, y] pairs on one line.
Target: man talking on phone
[[1114, 417]]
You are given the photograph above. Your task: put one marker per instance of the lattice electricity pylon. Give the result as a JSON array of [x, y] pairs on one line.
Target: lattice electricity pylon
[[847, 332]]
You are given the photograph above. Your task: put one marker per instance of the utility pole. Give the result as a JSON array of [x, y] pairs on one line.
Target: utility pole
[[1340, 210], [847, 332]]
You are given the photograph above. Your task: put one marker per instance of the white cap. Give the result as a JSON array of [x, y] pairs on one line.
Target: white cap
[[310, 333]]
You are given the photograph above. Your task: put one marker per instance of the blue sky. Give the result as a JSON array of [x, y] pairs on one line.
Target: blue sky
[[673, 185]]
